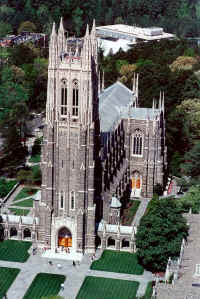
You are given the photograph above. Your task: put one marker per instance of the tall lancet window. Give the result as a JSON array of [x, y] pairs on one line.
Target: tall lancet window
[[61, 200], [137, 143], [75, 99], [72, 200], [63, 109]]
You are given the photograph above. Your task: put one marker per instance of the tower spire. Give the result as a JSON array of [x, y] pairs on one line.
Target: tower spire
[[61, 38], [53, 47]]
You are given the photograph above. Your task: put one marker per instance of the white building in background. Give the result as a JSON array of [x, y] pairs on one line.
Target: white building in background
[[122, 36]]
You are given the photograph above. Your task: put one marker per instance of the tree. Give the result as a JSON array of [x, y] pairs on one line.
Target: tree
[[160, 234], [5, 29], [189, 112], [36, 149], [185, 63], [191, 200], [25, 176], [27, 26], [191, 166]]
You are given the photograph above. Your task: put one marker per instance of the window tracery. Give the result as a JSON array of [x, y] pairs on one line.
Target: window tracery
[[63, 97], [75, 98], [137, 143]]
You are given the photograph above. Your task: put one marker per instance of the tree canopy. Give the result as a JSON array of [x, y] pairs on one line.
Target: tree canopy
[[160, 234], [179, 16]]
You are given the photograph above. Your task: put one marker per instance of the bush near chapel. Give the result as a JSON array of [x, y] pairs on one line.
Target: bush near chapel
[[160, 234]]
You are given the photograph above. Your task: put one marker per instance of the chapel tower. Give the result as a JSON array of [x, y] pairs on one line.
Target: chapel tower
[[69, 155]]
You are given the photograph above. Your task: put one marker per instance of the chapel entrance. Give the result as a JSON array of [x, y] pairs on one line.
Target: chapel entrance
[[64, 237], [136, 184]]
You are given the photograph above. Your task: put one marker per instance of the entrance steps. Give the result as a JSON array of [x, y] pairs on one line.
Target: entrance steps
[[73, 255]]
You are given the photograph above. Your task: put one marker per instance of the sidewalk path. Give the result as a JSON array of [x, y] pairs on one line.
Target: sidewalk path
[[74, 275], [140, 212]]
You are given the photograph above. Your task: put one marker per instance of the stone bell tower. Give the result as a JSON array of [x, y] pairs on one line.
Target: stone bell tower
[[69, 155]]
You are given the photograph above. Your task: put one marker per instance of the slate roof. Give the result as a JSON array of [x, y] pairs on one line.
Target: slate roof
[[117, 102], [115, 203], [112, 228], [111, 101], [140, 113], [16, 219]]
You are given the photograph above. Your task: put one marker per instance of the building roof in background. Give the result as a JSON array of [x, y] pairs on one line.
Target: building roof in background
[[133, 32]]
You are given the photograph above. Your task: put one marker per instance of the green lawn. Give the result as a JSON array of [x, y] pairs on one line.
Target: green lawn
[[44, 284], [25, 192], [14, 251], [149, 291], [107, 288], [7, 276], [35, 159], [19, 212], [6, 186], [129, 213], [24, 203], [120, 262]]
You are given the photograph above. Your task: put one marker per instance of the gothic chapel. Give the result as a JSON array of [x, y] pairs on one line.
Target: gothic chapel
[[99, 149]]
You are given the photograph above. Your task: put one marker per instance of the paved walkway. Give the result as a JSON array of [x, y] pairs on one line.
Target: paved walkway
[[37, 264], [140, 211], [74, 275]]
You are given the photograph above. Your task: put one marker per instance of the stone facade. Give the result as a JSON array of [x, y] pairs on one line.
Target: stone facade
[[90, 154]]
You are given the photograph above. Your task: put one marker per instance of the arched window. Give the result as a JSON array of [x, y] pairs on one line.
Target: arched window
[[72, 200], [63, 110], [137, 143], [61, 200], [75, 99]]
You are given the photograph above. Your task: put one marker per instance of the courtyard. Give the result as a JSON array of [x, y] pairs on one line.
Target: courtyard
[[25, 280]]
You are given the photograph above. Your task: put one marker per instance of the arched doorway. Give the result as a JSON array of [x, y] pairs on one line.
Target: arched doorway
[[27, 233], [136, 184], [1, 232], [111, 242], [13, 232], [125, 243], [64, 237]]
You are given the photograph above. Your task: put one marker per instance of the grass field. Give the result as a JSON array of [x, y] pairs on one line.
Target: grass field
[[107, 288], [120, 262], [7, 276], [28, 203], [149, 291], [44, 284], [25, 192], [14, 251], [19, 212], [35, 159]]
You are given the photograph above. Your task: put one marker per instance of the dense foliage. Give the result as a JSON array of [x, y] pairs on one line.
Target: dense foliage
[[6, 186], [179, 16], [160, 234], [191, 200]]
